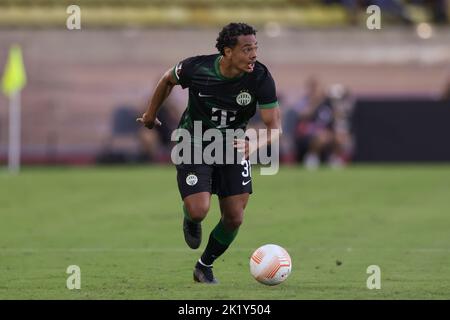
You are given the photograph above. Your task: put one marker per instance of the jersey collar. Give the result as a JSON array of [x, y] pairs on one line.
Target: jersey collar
[[219, 74]]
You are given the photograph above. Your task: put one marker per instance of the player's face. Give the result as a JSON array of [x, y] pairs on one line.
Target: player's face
[[243, 55]]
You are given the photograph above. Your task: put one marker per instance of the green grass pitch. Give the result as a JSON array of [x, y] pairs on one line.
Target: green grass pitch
[[122, 227]]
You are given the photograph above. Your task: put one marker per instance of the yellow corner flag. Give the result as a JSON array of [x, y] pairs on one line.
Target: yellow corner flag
[[14, 78]]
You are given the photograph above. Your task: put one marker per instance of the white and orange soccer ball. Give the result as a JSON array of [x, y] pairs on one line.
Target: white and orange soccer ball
[[270, 264]]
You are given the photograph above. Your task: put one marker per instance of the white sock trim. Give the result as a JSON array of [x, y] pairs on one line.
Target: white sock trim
[[203, 264]]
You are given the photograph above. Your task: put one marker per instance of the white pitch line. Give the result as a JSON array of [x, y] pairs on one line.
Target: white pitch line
[[138, 250], [186, 250], [381, 249]]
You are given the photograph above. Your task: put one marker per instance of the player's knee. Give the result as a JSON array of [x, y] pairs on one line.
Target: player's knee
[[197, 211], [234, 222]]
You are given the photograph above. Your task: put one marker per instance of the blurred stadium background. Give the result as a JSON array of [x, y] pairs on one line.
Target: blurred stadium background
[[85, 87]]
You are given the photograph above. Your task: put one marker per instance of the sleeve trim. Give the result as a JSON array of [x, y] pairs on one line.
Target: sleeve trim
[[175, 75], [269, 105]]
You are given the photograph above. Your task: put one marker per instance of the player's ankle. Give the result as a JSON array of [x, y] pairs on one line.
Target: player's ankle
[[201, 264]]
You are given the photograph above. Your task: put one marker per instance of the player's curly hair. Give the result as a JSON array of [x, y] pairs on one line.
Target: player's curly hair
[[229, 34]]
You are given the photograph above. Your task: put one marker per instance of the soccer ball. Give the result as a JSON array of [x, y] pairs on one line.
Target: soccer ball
[[270, 264]]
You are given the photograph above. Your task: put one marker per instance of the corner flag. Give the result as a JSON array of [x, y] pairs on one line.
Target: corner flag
[[14, 79]]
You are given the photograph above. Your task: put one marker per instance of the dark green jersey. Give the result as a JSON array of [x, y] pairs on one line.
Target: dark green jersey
[[220, 102]]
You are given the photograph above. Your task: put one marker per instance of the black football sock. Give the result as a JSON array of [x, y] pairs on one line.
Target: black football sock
[[219, 241]]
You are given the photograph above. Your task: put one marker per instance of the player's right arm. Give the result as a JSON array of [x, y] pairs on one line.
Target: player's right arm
[[162, 91]]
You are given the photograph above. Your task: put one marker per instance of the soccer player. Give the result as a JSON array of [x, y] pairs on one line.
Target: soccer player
[[225, 90]]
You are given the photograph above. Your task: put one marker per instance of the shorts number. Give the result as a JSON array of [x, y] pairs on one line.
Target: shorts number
[[247, 169]]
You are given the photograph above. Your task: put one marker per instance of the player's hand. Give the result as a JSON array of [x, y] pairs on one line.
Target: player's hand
[[149, 122]]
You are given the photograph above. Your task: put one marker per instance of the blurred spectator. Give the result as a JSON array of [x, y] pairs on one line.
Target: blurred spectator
[[446, 94], [438, 10], [156, 145], [342, 103], [169, 115], [314, 127], [322, 125], [148, 145], [120, 145], [131, 143]]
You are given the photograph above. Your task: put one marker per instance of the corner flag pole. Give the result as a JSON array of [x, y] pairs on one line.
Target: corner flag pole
[[14, 80], [14, 133]]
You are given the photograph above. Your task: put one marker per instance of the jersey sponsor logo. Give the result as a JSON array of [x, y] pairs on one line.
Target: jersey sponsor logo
[[191, 179], [244, 98], [225, 116]]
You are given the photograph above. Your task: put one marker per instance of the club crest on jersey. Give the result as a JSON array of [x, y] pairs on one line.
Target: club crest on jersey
[[243, 98], [191, 179]]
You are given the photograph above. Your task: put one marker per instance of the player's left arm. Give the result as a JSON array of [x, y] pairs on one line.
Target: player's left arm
[[268, 104], [270, 113], [272, 120]]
